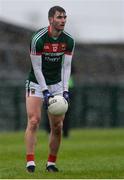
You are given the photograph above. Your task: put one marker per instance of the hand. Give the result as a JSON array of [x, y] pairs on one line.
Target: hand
[[66, 95], [46, 95]]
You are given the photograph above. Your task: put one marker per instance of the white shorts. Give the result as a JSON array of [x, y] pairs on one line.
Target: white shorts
[[34, 89]]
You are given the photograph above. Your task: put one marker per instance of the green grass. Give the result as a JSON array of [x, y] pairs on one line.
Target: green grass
[[87, 153]]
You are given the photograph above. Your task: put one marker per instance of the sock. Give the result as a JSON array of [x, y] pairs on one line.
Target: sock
[[30, 157], [30, 160], [51, 160]]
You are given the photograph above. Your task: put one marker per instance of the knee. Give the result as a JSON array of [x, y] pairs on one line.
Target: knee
[[34, 123]]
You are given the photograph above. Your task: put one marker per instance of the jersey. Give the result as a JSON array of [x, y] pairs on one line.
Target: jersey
[[52, 51]]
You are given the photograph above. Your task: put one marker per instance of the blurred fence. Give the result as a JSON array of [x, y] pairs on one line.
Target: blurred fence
[[98, 98], [92, 106]]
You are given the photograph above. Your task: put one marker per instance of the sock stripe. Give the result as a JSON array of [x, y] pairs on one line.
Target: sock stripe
[[30, 157], [52, 158]]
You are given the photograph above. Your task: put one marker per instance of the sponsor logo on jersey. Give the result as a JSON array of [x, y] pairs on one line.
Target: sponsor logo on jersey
[[52, 59], [53, 54]]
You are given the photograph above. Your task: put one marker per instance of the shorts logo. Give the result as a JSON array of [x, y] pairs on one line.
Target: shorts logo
[[32, 91]]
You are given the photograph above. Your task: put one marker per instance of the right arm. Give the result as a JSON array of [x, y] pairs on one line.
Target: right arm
[[36, 49], [36, 60], [37, 66]]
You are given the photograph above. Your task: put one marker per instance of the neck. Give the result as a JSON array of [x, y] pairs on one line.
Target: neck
[[54, 32]]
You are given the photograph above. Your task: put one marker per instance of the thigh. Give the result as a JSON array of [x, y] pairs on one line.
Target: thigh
[[33, 106], [33, 89], [34, 99]]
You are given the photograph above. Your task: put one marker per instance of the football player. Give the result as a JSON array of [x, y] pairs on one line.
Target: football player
[[51, 52]]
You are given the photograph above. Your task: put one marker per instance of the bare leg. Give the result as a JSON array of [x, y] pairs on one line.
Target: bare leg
[[33, 105], [56, 124]]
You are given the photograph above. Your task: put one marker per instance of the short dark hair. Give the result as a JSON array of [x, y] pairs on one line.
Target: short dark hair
[[53, 10]]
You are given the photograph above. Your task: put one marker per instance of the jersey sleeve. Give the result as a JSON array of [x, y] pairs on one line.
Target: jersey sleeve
[[36, 47], [37, 66], [66, 68], [70, 46]]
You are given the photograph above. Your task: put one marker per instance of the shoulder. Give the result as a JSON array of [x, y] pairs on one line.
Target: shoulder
[[39, 34], [68, 36], [69, 40], [37, 40]]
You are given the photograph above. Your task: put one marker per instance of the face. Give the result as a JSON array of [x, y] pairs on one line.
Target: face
[[58, 21]]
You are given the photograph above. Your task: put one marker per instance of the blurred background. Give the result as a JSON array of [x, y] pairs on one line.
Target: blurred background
[[97, 85]]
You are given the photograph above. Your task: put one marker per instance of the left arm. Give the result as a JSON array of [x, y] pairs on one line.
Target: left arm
[[66, 68], [66, 71]]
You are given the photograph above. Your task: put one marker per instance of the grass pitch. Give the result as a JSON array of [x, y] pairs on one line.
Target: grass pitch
[[87, 153]]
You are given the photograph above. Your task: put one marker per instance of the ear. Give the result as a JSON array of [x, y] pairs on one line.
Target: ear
[[51, 20]]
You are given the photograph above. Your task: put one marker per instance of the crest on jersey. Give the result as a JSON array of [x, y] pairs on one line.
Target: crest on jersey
[[63, 46]]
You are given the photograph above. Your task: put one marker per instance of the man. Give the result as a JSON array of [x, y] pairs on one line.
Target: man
[[51, 52]]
